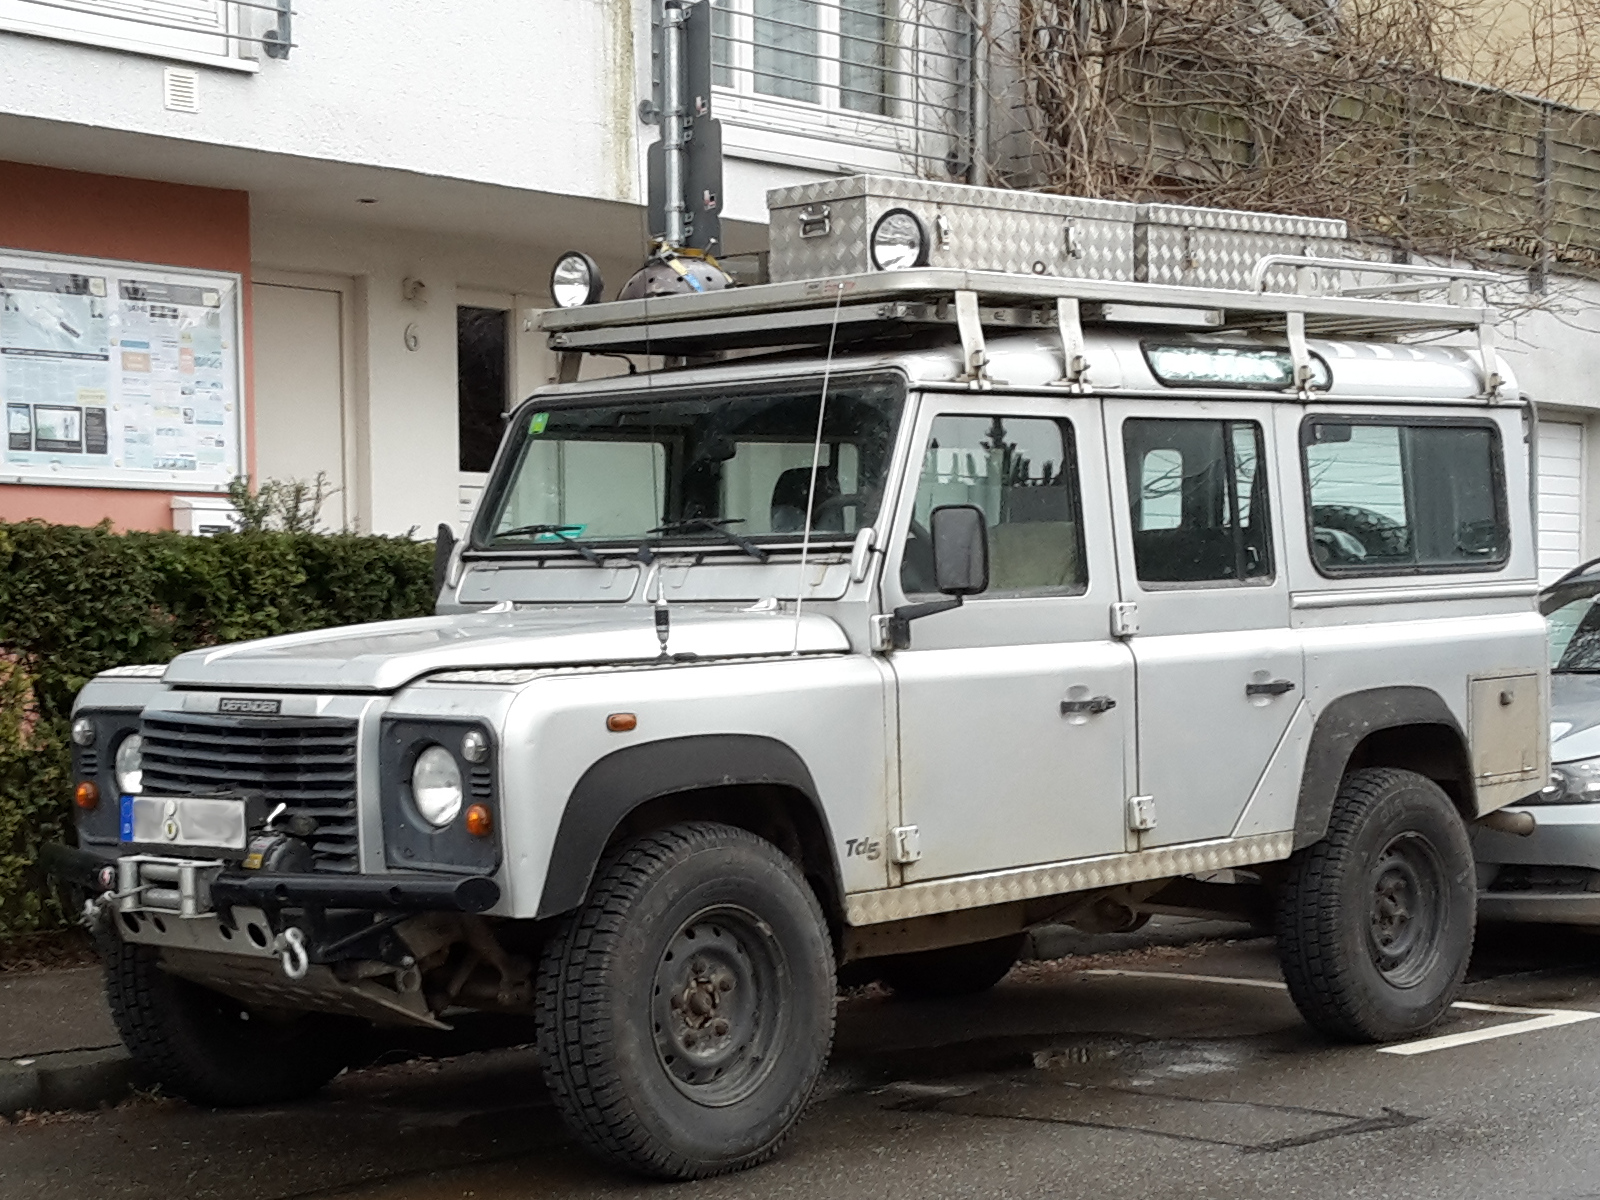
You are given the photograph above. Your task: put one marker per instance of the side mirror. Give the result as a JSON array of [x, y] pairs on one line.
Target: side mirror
[[960, 535], [444, 545]]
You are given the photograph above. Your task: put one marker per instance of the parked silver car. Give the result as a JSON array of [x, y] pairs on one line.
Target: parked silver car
[[1553, 872]]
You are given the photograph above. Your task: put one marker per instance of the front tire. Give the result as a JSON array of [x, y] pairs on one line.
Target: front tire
[[209, 1048], [686, 1010], [1375, 921]]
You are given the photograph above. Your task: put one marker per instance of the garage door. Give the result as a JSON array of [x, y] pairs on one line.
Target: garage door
[[1560, 465]]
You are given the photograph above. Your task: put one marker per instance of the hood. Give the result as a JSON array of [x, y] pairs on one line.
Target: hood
[[1574, 716], [385, 656]]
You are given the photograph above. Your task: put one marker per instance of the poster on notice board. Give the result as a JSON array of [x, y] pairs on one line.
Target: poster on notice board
[[119, 374]]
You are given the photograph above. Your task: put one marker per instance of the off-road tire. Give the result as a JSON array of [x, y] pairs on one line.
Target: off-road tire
[[210, 1049], [607, 983], [1382, 536], [1358, 968], [951, 970]]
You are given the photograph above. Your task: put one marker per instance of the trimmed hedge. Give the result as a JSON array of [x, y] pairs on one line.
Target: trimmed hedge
[[75, 601]]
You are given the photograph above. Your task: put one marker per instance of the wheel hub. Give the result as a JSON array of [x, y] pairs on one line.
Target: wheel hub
[[1406, 911], [715, 1005]]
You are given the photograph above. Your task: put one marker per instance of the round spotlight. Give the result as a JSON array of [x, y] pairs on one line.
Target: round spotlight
[[83, 731], [899, 241], [575, 280], [474, 746], [436, 786]]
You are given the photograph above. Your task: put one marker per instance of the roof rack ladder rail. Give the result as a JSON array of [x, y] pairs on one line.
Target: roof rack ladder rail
[[974, 352], [1299, 352], [1074, 356]]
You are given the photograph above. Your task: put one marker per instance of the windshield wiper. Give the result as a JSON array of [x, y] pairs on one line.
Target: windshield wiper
[[562, 532], [713, 525]]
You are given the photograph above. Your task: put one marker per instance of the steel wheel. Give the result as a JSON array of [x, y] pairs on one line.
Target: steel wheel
[[1407, 917]]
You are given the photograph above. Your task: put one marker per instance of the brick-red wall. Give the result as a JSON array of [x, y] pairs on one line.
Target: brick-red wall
[[107, 216]]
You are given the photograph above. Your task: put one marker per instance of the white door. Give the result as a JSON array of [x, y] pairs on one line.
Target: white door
[[1016, 709], [1219, 671], [299, 389], [1560, 498]]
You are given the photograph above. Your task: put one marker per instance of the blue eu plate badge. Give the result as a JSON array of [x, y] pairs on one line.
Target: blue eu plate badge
[[127, 818]]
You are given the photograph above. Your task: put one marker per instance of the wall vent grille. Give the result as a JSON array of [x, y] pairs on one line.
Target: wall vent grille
[[180, 90]]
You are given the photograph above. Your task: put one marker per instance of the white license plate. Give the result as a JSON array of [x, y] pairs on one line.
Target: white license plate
[[184, 821]]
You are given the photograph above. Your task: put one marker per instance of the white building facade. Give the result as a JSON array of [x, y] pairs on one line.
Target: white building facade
[[386, 184]]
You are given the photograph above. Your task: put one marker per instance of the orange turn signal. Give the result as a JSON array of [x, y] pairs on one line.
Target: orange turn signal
[[480, 822], [622, 722], [86, 795]]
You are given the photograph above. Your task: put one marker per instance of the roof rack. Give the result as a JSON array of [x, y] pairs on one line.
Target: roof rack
[[852, 309]]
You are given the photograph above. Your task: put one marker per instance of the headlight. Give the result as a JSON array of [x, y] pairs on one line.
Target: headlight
[[436, 786], [575, 280], [1572, 783], [130, 765], [899, 241]]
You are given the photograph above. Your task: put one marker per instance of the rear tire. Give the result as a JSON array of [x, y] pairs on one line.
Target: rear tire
[[211, 1049], [1375, 921], [951, 970], [686, 1010]]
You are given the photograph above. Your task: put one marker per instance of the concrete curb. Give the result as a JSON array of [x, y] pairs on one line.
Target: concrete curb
[[72, 1079]]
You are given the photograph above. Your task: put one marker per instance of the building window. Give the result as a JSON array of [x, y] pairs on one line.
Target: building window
[[219, 33], [840, 54], [482, 382]]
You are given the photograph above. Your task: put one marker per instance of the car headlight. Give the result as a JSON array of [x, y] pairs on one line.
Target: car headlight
[[436, 786], [899, 241], [575, 280], [130, 765], [1571, 783]]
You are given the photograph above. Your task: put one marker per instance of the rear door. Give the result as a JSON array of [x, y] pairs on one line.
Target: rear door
[[1016, 709], [1219, 671]]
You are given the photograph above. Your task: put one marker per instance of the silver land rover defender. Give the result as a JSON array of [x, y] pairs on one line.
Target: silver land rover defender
[[984, 581]]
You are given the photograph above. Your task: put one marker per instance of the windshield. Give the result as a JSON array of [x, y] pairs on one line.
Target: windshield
[[1574, 623], [728, 466]]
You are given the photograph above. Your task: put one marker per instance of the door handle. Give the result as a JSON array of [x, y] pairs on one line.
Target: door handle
[[1094, 705], [1272, 687]]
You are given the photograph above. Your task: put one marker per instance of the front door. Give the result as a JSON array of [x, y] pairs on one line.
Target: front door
[[1220, 673], [996, 770]]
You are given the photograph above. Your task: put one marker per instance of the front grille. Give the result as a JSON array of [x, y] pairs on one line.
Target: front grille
[[305, 763]]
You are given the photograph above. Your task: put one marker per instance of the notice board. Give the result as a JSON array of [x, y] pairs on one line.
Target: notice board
[[120, 374]]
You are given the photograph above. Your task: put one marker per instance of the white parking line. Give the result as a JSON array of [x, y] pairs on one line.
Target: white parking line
[[1539, 1018]]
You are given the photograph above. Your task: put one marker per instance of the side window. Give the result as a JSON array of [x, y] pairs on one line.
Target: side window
[[1198, 496], [1022, 472], [1391, 499]]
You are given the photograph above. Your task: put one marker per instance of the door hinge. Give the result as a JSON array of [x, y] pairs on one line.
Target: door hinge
[[905, 844], [1124, 619], [1141, 813], [882, 633]]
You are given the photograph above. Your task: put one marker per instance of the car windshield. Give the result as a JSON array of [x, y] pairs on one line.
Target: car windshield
[[1574, 622], [730, 466]]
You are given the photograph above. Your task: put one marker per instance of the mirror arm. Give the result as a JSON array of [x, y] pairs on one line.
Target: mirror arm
[[900, 620]]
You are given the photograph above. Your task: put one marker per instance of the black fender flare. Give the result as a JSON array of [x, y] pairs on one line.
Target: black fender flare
[[1342, 726], [616, 785]]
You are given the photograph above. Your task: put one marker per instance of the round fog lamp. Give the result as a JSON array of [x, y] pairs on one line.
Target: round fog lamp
[[575, 280], [83, 731], [899, 241], [474, 746], [130, 764], [436, 786]]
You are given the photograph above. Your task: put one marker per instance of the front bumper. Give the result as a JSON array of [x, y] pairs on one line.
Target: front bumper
[[1549, 866], [229, 887]]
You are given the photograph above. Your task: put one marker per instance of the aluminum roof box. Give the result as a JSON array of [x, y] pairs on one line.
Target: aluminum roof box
[[821, 230], [1219, 247]]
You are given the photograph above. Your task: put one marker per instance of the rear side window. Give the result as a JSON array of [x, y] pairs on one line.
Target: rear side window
[[1390, 498]]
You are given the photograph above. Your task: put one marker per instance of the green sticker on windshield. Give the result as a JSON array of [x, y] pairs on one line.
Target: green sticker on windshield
[[537, 422]]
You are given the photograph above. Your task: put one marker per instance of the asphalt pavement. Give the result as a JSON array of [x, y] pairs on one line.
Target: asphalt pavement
[[1153, 1072]]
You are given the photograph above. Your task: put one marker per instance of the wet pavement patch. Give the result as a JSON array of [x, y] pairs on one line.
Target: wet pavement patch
[[1243, 1125]]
